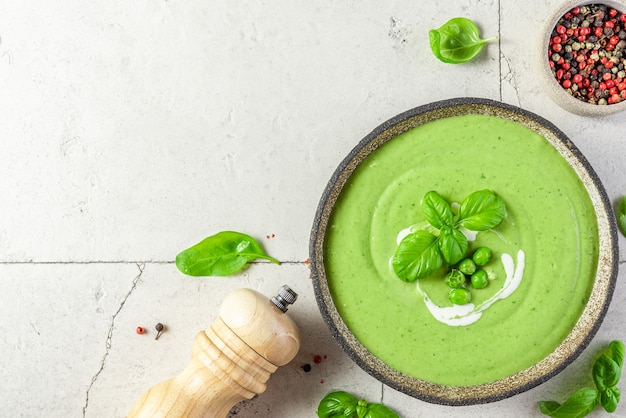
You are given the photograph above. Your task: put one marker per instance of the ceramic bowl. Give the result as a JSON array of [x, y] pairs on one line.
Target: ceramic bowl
[[577, 339], [548, 82]]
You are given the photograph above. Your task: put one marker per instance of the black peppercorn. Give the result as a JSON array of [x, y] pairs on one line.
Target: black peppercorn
[[159, 328]]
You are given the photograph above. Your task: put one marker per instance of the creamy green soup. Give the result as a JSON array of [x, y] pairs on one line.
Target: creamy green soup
[[549, 237]]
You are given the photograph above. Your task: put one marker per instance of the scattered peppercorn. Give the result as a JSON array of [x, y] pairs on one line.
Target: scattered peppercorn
[[306, 368], [140, 330], [159, 329], [587, 53]]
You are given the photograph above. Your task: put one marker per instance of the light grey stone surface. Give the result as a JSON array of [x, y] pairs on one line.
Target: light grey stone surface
[[131, 130]]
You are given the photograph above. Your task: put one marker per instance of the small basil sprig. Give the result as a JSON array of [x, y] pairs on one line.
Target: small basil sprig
[[222, 254], [456, 41], [341, 404], [422, 253], [606, 373], [621, 215]]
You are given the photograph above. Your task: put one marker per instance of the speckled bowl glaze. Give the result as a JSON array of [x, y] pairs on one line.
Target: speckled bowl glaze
[[554, 90], [565, 353]]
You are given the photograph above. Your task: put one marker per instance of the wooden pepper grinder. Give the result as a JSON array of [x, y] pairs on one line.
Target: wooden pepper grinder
[[231, 360]]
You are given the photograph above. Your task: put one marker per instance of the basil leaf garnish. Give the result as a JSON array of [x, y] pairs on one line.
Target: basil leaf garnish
[[437, 211], [609, 399], [621, 215], [548, 407], [616, 352], [417, 256], [578, 405], [377, 410], [422, 253], [456, 41], [362, 408], [222, 254], [481, 211], [337, 404], [342, 404], [453, 244], [606, 372]]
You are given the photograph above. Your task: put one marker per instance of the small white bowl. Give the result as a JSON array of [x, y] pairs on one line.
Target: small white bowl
[[549, 83]]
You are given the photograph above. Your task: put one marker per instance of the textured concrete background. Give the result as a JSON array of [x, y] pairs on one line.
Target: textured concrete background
[[130, 130]]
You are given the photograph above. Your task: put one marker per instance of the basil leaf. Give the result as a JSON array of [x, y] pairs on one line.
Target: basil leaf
[[606, 372], [548, 407], [437, 211], [578, 405], [222, 254], [337, 404], [609, 399], [361, 408], [456, 41], [417, 256], [616, 352], [453, 244], [376, 410], [481, 210], [621, 215]]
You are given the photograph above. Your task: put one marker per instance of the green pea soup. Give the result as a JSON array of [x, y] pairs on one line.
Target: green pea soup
[[550, 218]]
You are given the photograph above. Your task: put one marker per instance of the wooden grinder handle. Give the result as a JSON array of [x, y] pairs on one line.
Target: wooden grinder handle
[[231, 360]]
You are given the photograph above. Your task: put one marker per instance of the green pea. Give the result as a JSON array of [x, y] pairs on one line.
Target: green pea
[[480, 279], [467, 266], [454, 278], [460, 296], [481, 256]]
